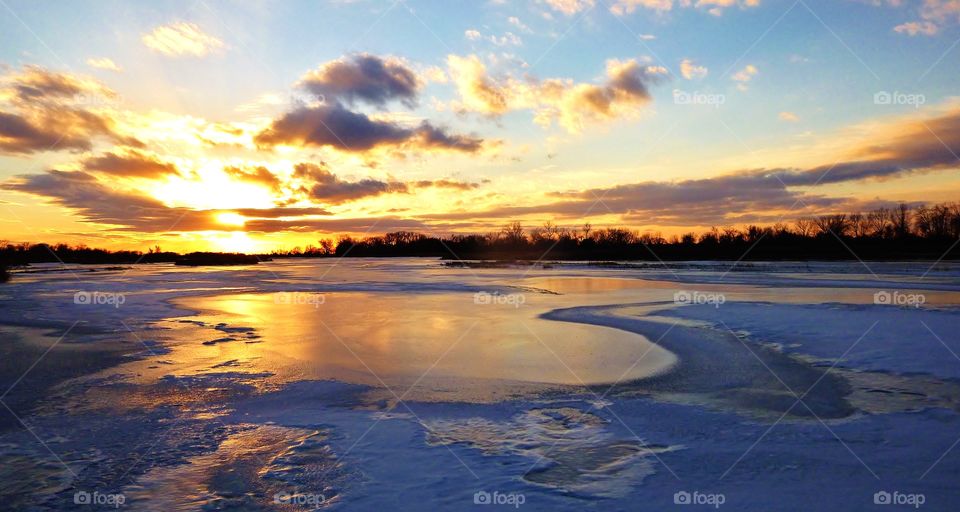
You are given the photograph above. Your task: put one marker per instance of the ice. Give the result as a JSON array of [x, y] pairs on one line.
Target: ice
[[352, 381]]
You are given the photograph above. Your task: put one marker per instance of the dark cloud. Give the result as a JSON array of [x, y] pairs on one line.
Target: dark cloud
[[98, 203], [364, 78], [371, 225], [55, 128], [36, 83], [431, 137], [357, 79], [334, 126], [273, 213], [326, 187], [48, 114], [125, 211], [445, 183], [751, 195], [18, 135], [132, 164], [918, 146]]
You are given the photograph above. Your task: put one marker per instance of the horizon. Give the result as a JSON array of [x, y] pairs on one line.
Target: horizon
[[242, 128]]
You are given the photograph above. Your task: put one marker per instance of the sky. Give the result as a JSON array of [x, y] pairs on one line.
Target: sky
[[262, 125]]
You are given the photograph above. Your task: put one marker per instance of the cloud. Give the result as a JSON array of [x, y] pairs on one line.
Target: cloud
[[447, 184], [788, 116], [130, 164], [754, 195], [624, 7], [507, 39], [691, 70], [572, 105], [35, 83], [515, 21], [258, 174], [327, 188], [103, 63], [98, 203], [369, 225], [570, 7], [906, 146], [933, 16], [323, 185], [48, 111], [361, 78], [182, 39], [714, 7], [335, 126], [364, 78], [20, 136], [914, 28], [744, 76]]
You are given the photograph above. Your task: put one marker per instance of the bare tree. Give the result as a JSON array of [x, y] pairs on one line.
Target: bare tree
[[900, 218], [836, 224], [804, 227], [858, 225], [878, 222], [513, 232]]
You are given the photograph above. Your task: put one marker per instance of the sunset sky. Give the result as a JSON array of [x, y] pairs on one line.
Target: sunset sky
[[251, 126]]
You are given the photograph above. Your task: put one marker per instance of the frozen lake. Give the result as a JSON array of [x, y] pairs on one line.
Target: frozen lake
[[362, 384]]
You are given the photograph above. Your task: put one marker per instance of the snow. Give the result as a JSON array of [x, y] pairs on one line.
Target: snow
[[360, 421]]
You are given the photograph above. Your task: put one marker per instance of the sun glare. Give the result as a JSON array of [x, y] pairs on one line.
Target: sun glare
[[237, 241], [231, 219]]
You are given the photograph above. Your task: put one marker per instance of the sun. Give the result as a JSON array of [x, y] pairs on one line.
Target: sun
[[238, 241], [231, 219]]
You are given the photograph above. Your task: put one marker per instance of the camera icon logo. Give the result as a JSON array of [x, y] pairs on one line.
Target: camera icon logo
[[882, 98], [881, 498], [882, 298], [681, 498], [482, 498], [81, 498], [82, 298], [683, 297]]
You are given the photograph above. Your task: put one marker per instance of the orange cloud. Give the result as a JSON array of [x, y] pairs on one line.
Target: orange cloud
[[571, 105]]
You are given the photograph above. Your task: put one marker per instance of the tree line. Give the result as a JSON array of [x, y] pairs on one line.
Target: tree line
[[902, 232]]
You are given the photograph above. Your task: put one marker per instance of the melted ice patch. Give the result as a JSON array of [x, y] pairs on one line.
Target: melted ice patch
[[571, 450]]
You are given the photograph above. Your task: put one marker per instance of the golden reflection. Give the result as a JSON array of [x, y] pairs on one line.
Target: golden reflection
[[362, 338]]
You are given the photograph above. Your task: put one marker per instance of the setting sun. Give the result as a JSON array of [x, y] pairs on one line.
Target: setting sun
[[231, 219]]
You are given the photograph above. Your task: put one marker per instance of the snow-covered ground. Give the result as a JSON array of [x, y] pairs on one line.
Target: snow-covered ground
[[406, 385]]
